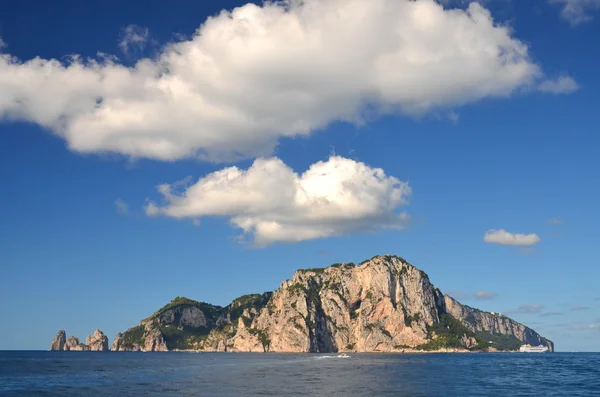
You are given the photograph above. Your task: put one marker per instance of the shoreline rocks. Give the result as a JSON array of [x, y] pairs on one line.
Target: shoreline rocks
[[95, 342]]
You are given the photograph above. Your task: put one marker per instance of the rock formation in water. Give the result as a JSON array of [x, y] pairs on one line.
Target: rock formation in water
[[95, 342], [383, 305], [59, 341]]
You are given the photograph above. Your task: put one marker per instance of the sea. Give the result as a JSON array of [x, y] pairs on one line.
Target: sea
[[40, 373]]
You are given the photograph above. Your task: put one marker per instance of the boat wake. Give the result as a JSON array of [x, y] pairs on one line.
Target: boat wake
[[338, 356]]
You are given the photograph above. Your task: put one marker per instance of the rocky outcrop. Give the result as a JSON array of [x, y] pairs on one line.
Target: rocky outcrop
[[97, 341], [494, 323], [74, 345], [383, 305], [59, 341]]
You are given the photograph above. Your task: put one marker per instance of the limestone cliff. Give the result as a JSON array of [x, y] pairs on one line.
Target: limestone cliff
[[95, 342], [59, 341], [383, 305], [494, 323]]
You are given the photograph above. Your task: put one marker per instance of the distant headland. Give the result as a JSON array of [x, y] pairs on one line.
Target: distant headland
[[384, 304]]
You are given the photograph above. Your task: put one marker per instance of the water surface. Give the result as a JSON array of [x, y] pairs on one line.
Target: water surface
[[247, 374]]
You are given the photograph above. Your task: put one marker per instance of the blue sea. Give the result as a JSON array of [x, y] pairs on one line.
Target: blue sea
[[247, 374]]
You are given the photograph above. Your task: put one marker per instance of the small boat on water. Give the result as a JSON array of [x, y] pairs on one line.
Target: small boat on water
[[533, 349], [343, 355]]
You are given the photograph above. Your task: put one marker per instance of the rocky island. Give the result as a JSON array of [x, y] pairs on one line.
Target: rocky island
[[95, 342], [384, 304]]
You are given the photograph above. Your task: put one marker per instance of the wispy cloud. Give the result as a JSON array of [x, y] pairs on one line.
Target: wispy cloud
[[503, 237], [554, 221], [122, 207], [588, 327], [526, 309], [577, 12], [133, 38], [485, 295], [562, 85], [551, 314], [579, 308]]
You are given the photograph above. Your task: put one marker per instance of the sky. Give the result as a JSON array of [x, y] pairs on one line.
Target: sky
[[149, 151]]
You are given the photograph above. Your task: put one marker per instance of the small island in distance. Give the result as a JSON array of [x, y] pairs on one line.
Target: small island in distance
[[382, 305]]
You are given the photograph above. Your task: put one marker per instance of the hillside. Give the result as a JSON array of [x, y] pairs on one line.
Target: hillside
[[383, 305]]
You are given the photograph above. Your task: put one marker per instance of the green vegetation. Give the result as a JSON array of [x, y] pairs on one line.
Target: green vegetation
[[297, 288], [408, 320], [134, 336], [210, 311], [317, 270], [350, 346], [237, 307], [262, 337], [448, 333], [499, 341], [344, 265], [184, 337], [402, 347]]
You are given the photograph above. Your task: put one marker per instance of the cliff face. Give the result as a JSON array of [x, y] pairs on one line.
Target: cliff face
[[95, 342], [59, 341], [383, 305], [494, 323]]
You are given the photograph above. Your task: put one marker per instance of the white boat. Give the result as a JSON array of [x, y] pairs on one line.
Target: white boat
[[533, 349]]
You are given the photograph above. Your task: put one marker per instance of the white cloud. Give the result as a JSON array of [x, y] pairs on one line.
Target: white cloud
[[485, 295], [133, 38], [554, 221], [577, 11], [2, 43], [272, 203], [503, 237], [562, 85], [122, 207], [258, 73]]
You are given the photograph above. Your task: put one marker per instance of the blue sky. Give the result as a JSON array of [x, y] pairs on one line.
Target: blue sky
[[470, 142]]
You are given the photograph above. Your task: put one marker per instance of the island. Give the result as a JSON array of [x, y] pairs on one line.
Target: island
[[384, 304]]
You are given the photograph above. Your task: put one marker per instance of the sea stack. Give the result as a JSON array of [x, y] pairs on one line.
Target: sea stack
[[59, 341], [97, 341]]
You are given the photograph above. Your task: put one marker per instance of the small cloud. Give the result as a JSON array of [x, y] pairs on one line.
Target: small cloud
[[485, 295], [588, 327], [551, 314], [562, 85], [323, 252], [196, 222], [453, 117], [526, 309], [459, 295], [554, 221], [503, 237], [577, 12], [133, 38], [2, 43], [579, 308], [122, 207]]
